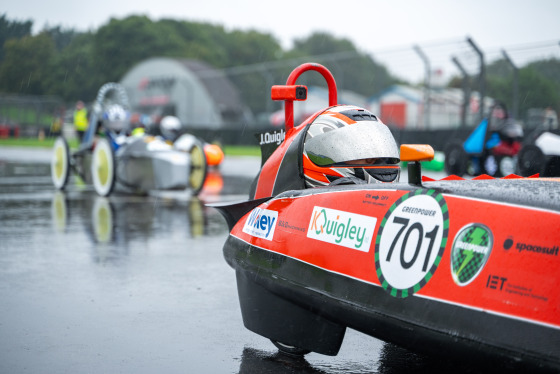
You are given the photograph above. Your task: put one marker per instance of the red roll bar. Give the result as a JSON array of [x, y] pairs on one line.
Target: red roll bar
[[288, 93]]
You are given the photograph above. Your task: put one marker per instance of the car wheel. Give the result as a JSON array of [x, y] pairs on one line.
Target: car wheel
[[290, 350], [507, 166], [455, 159], [530, 160], [491, 165], [103, 168], [198, 168], [60, 163]]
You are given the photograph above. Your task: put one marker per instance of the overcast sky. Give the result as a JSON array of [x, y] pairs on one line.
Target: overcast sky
[[386, 29]]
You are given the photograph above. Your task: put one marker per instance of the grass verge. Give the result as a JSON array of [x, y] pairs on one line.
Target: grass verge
[[229, 150]]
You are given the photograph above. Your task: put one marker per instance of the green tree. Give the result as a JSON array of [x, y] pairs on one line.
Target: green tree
[[25, 67], [200, 41], [500, 68], [12, 30], [550, 69], [499, 82], [121, 44], [536, 90], [352, 69], [320, 43], [61, 37], [254, 51], [73, 75], [250, 47]]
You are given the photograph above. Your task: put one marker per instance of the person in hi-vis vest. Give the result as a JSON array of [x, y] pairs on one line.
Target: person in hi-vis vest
[[80, 119]]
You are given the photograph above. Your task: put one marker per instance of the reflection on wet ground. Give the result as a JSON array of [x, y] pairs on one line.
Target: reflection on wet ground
[[392, 360], [138, 284]]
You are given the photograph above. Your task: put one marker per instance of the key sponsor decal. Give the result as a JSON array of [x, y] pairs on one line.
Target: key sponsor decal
[[469, 253], [410, 242], [342, 228], [261, 223]]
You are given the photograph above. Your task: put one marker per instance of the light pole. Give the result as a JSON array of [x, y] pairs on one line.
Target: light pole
[[466, 92], [427, 81], [515, 104], [481, 77]]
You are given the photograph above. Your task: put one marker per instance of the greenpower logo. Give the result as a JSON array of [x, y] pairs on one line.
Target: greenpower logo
[[342, 228], [470, 251]]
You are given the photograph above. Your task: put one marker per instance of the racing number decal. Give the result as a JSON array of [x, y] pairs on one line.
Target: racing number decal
[[410, 242]]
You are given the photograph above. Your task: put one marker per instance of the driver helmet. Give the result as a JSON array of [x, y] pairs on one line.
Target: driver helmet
[[511, 130], [349, 142], [116, 118], [170, 127]]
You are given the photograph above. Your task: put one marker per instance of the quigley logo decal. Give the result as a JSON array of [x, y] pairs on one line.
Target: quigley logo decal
[[470, 251], [261, 223], [343, 228]]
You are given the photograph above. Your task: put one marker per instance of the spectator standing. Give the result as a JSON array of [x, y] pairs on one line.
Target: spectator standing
[[80, 119]]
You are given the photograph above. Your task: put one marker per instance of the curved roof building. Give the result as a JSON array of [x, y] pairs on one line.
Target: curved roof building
[[199, 95]]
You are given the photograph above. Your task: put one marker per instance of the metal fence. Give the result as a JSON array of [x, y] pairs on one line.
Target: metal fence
[[27, 116]]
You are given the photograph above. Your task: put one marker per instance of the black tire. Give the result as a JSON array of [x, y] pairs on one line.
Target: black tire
[[531, 160], [198, 168], [473, 166], [103, 168], [455, 158], [289, 350], [552, 167], [60, 163]]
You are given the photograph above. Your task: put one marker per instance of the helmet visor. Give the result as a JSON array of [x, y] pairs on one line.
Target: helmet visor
[[386, 174], [361, 140]]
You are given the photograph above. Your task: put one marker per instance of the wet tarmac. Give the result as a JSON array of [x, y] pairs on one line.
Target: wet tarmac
[[138, 284]]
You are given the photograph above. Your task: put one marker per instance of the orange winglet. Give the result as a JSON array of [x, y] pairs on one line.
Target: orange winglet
[[417, 152]]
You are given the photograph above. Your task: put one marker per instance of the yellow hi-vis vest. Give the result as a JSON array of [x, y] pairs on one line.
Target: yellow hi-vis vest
[[80, 119]]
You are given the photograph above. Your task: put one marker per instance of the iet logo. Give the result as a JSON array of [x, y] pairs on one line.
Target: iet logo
[[343, 228], [496, 283], [261, 223]]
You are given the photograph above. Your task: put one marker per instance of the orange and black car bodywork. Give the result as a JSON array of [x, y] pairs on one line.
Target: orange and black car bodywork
[[456, 268]]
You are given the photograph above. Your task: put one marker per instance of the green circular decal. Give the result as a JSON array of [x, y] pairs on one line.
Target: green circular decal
[[410, 242], [470, 251]]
